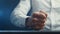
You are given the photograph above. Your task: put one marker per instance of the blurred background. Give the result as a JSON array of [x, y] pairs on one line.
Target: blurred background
[[6, 7]]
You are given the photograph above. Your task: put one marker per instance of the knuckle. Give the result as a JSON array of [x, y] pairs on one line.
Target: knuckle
[[43, 12], [34, 20]]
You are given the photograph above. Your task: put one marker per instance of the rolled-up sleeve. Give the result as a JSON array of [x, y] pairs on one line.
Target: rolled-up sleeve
[[19, 14]]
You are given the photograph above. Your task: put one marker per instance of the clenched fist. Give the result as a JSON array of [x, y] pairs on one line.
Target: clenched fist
[[37, 20]]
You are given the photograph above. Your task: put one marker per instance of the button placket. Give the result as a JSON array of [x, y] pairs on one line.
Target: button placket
[[52, 16]]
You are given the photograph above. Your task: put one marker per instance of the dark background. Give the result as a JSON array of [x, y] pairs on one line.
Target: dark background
[[6, 7]]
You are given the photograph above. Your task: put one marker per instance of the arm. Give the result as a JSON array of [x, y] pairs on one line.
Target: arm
[[18, 15]]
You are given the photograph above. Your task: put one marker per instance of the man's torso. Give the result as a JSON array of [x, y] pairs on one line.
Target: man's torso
[[52, 8]]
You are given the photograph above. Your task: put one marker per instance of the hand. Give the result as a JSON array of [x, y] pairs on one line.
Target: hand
[[37, 20]]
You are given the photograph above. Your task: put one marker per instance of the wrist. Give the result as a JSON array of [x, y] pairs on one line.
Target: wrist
[[27, 22]]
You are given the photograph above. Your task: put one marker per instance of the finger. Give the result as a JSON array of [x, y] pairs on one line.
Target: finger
[[42, 20], [39, 23], [34, 20], [35, 14], [39, 15], [38, 26], [42, 11]]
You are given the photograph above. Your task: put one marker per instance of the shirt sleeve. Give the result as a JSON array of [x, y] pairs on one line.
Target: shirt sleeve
[[18, 16]]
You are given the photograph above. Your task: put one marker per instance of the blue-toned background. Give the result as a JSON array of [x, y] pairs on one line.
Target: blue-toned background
[[6, 7]]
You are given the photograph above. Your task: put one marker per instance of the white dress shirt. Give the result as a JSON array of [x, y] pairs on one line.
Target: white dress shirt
[[51, 7]]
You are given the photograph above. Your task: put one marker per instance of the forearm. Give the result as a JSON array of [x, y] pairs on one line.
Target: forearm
[[18, 15]]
